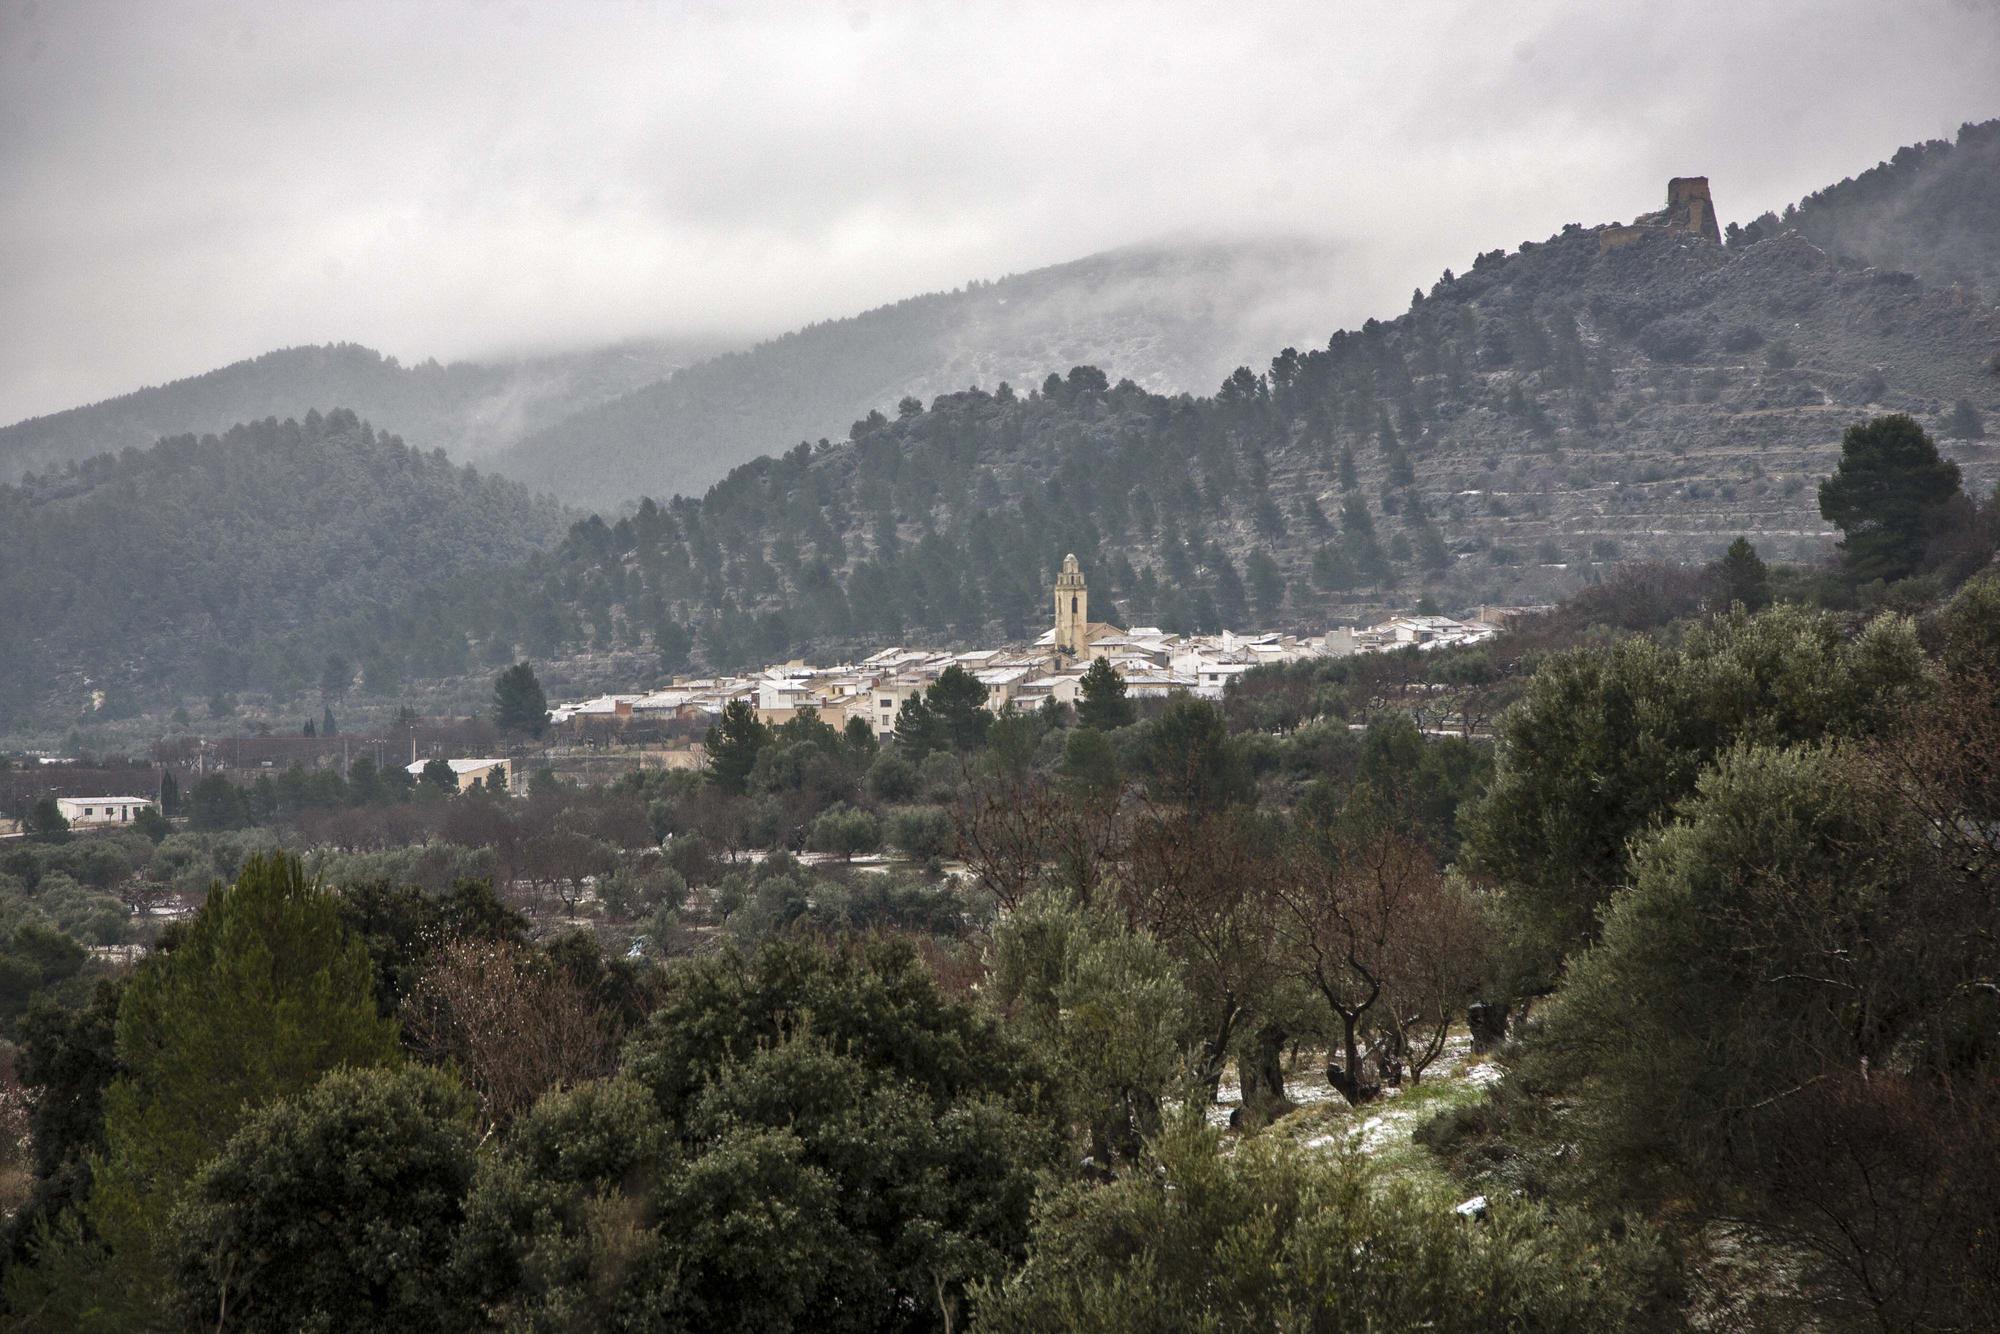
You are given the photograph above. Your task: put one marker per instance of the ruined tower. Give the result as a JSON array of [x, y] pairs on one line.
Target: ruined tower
[[1690, 209], [1072, 608]]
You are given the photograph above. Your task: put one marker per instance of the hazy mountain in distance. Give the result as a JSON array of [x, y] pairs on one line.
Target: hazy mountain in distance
[[1174, 316], [467, 408], [1610, 393]]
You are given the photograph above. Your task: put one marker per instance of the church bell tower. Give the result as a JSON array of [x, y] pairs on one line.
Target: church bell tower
[[1072, 608]]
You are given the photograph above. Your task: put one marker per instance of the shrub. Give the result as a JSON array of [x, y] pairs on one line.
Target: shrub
[[922, 832], [1272, 1238], [844, 830]]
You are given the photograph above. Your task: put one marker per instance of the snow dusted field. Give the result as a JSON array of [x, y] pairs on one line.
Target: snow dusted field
[[1323, 1122]]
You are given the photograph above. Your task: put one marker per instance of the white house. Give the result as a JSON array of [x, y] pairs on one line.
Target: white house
[[95, 812], [469, 772]]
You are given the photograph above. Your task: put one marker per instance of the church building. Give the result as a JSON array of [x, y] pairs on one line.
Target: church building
[[1075, 633]]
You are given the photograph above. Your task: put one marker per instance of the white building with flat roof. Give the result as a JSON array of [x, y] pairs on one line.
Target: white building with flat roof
[[96, 812]]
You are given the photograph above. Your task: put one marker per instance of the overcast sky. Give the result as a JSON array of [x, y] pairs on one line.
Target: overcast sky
[[183, 184]]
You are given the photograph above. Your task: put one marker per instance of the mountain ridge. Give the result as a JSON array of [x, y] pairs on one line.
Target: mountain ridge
[[207, 564], [1607, 394], [1173, 315], [468, 408]]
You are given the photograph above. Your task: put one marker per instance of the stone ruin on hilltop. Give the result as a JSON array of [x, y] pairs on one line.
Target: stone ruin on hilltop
[[1689, 211]]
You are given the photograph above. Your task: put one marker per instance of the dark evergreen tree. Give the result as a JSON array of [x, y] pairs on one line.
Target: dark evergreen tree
[[919, 731], [264, 993], [1964, 422], [734, 744], [1102, 703], [1741, 577], [958, 699], [1190, 758], [1886, 493], [46, 822], [216, 803], [336, 677], [336, 1209], [1267, 584], [519, 704], [68, 1058]]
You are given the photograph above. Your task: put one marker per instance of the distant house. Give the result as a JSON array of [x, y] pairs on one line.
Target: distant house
[[888, 696], [96, 812], [470, 773]]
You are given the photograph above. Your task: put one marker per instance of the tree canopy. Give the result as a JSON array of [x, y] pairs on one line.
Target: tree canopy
[[1102, 701], [1885, 495], [519, 703]]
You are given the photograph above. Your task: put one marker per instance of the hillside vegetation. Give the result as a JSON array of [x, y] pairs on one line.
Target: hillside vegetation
[[1929, 209], [1549, 413], [1173, 317], [468, 408], [1600, 397], [203, 564]]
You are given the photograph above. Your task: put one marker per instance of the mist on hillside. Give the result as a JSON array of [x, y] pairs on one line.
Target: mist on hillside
[[477, 181]]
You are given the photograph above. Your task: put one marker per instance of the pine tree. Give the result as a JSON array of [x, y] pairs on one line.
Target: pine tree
[[918, 730], [1350, 480], [1964, 422], [733, 746], [958, 699], [1103, 703], [265, 993], [519, 704], [1743, 577], [46, 822], [1889, 486]]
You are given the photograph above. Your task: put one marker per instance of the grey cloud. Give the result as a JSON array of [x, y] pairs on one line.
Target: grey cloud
[[186, 183]]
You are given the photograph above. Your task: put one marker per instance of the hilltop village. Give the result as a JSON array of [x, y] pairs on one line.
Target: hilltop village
[[1153, 663]]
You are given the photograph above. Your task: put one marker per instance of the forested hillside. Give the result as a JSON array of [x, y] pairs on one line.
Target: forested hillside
[[1172, 317], [1548, 413], [1607, 395], [204, 564], [1930, 210], [468, 408]]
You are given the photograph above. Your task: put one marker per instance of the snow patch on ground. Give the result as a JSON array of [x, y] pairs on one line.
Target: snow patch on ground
[[1379, 1132]]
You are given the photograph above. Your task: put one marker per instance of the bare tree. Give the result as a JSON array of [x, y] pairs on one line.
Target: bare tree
[[1437, 955], [514, 1024], [1342, 917], [1197, 879], [1005, 831]]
